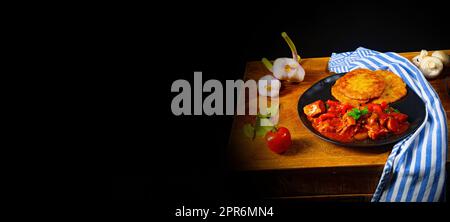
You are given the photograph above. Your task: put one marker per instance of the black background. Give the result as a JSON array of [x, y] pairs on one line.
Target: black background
[[158, 157]]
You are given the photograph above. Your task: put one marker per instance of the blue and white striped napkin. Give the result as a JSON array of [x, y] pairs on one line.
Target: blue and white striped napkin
[[415, 169]]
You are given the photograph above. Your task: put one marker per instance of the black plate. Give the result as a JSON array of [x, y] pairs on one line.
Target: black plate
[[411, 104]]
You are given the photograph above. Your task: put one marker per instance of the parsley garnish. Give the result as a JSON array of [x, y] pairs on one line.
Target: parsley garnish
[[356, 113]]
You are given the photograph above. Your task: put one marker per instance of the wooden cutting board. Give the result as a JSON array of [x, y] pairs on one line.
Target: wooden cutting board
[[308, 151]]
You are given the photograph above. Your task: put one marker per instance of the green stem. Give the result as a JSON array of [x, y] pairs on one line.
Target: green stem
[[288, 40], [267, 63], [275, 129]]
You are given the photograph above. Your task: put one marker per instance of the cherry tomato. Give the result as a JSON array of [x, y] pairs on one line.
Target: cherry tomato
[[383, 105], [279, 140]]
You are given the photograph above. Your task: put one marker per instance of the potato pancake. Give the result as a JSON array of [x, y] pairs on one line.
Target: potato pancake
[[395, 87], [361, 84], [344, 99]]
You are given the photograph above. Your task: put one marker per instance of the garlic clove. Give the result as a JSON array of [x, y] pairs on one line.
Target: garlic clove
[[269, 86], [423, 53], [431, 67], [445, 59], [417, 59], [298, 75]]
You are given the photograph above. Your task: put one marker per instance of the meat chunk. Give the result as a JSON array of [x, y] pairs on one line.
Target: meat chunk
[[314, 108], [372, 120], [325, 127], [346, 124], [348, 120], [392, 125], [383, 119], [376, 131]]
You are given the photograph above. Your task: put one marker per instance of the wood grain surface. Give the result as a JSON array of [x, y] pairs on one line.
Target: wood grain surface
[[308, 151]]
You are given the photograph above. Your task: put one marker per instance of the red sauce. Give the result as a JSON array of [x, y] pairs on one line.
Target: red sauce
[[344, 123], [402, 128], [346, 138]]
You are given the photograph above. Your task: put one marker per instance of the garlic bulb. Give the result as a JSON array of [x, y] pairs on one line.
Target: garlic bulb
[[442, 56], [288, 69], [431, 66], [269, 86]]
